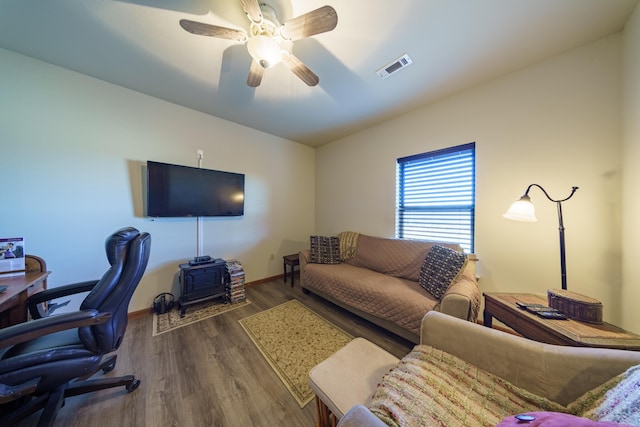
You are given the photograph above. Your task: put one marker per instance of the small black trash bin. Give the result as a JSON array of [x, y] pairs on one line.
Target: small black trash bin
[[163, 303]]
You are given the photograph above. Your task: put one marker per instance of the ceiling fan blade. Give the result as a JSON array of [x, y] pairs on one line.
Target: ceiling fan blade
[[255, 74], [299, 69], [315, 22], [252, 9], [203, 29]]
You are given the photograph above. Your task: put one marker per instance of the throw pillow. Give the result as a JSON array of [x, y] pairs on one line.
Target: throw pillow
[[324, 250], [554, 419], [440, 269]]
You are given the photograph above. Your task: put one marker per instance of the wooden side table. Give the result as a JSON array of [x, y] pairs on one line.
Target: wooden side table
[[290, 260], [502, 306]]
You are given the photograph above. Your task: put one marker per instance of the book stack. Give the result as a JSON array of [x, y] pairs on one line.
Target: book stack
[[235, 287]]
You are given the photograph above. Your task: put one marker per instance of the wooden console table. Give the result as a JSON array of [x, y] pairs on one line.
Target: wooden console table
[[502, 306], [13, 301]]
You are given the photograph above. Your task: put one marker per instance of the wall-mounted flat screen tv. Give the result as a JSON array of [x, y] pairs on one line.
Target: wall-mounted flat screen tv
[[179, 191]]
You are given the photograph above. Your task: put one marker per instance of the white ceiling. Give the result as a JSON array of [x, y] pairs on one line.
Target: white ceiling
[[454, 44]]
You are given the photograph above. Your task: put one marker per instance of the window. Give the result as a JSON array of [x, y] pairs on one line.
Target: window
[[436, 196]]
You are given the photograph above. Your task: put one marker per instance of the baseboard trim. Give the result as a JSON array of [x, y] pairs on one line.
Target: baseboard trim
[[148, 311]]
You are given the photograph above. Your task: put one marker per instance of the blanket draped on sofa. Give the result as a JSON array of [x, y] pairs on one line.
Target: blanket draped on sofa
[[430, 388], [348, 244]]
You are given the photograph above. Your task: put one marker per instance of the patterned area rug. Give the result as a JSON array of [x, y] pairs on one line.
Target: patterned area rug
[[294, 339], [169, 321]]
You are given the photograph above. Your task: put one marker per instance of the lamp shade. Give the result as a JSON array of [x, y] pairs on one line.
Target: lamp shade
[[522, 210], [264, 50]]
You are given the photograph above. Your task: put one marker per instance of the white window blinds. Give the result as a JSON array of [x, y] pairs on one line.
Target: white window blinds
[[436, 196]]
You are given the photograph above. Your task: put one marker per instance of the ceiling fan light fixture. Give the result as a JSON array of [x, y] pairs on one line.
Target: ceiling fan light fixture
[[269, 42], [264, 50]]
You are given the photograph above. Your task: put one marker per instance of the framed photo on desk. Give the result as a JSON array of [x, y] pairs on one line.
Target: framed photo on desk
[[12, 254]]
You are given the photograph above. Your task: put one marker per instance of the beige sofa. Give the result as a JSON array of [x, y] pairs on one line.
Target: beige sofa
[[558, 373], [380, 284]]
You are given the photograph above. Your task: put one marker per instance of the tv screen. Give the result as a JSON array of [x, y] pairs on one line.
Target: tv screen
[[179, 191]]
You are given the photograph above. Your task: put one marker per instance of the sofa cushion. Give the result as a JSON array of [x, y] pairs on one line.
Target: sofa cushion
[[396, 300], [393, 257], [431, 387], [324, 250], [440, 269]]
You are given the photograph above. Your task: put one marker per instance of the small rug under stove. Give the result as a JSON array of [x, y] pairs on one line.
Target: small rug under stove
[[294, 339], [169, 321]]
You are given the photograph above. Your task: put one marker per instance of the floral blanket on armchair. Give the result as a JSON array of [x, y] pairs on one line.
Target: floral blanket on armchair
[[432, 388]]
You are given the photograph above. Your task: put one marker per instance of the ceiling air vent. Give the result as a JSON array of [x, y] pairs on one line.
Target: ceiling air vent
[[395, 66]]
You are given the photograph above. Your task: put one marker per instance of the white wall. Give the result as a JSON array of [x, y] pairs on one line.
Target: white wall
[[631, 176], [72, 155], [556, 123], [73, 150]]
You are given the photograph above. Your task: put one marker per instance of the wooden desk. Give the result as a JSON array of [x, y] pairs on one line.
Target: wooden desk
[[13, 302], [503, 307]]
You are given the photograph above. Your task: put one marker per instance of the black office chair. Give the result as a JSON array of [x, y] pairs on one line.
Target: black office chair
[[50, 358]]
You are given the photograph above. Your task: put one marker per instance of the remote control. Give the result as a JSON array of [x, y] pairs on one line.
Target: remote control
[[534, 308], [556, 315], [525, 305], [543, 309]]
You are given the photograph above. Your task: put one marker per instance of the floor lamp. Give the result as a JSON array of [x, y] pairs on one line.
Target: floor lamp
[[523, 210]]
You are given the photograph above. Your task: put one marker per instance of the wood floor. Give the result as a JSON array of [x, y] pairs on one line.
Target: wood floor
[[209, 373]]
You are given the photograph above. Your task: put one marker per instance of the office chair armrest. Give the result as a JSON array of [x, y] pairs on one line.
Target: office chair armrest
[[10, 393], [36, 328], [35, 301]]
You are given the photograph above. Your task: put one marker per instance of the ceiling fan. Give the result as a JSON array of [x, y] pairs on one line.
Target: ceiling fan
[[267, 39]]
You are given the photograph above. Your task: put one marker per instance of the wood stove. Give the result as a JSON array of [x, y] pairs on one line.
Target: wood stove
[[199, 283]]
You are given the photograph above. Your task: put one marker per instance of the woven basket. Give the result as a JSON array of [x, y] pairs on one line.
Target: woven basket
[[576, 306]]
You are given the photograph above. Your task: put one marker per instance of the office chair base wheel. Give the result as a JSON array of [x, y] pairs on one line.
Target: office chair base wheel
[[133, 386], [108, 364]]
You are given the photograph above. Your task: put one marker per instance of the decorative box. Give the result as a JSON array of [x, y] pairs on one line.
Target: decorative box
[[575, 305]]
